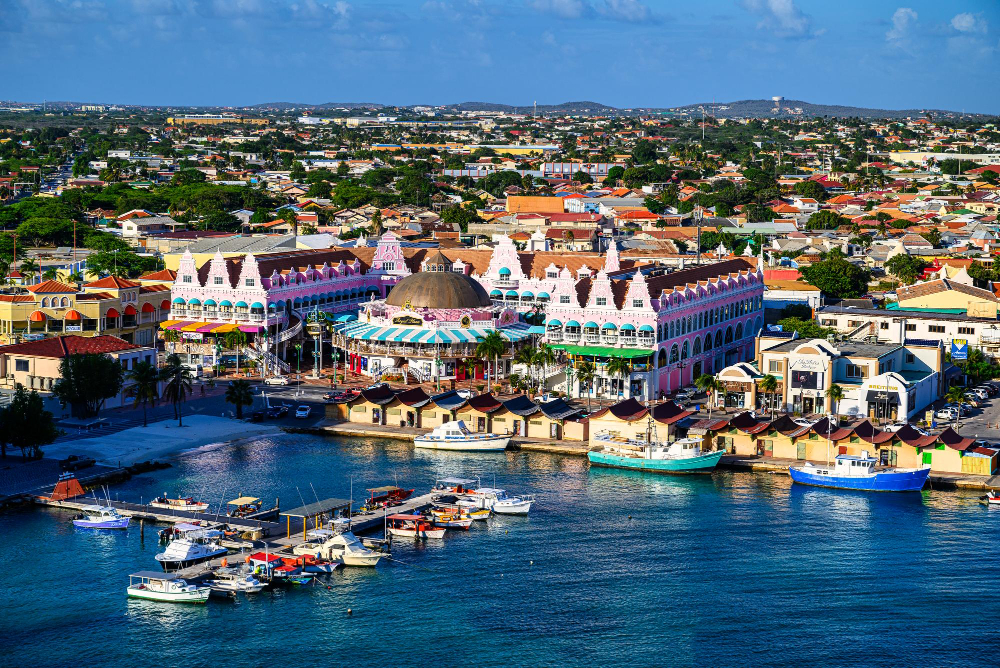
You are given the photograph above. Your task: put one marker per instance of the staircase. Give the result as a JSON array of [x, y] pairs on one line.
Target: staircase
[[291, 332], [267, 358], [417, 374], [866, 330]]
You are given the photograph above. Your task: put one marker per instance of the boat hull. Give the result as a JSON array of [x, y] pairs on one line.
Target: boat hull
[[192, 507], [198, 597], [121, 523], [518, 508], [484, 445], [880, 481], [169, 565], [418, 533], [366, 561], [701, 464]]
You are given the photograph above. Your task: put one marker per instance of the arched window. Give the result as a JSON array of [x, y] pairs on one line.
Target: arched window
[[671, 329], [661, 358], [684, 351], [697, 347], [65, 302], [45, 301], [674, 353], [708, 341], [690, 323], [718, 339], [729, 334], [739, 331]]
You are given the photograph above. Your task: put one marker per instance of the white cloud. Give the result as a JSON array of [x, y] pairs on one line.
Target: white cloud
[[968, 22], [632, 11], [782, 17], [904, 20], [567, 9]]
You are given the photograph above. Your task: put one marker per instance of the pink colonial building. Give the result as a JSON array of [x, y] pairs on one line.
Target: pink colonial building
[[673, 326]]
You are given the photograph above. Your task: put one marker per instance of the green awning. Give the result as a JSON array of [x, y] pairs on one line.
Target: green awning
[[603, 351]]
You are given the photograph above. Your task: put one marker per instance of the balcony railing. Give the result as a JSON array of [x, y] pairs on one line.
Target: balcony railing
[[505, 283]]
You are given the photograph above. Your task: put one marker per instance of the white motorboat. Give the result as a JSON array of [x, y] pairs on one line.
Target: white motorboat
[[191, 547], [100, 517], [456, 436], [343, 546], [229, 580], [413, 526], [187, 503], [154, 586], [498, 501]]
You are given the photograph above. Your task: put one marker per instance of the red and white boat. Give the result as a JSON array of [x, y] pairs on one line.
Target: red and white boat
[[457, 521], [187, 503], [383, 497], [413, 526], [991, 499]]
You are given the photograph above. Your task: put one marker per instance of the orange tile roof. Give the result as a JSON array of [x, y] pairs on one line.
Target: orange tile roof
[[112, 282], [51, 286]]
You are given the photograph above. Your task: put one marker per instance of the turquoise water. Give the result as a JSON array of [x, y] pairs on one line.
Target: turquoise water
[[732, 569]]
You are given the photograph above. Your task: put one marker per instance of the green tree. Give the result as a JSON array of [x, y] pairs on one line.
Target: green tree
[[644, 151], [376, 225], [837, 277], [811, 189], [933, 237], [234, 340], [187, 177], [619, 367], [585, 374], [492, 346], [177, 384], [906, 268], [769, 385], [240, 394], [298, 172], [835, 394], [26, 423], [582, 177], [87, 381], [545, 357], [707, 383], [827, 219], [807, 329], [145, 385]]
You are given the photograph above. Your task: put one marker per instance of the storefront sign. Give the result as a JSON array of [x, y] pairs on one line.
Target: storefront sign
[[807, 364], [74, 328], [192, 336], [959, 349], [407, 320], [735, 386]]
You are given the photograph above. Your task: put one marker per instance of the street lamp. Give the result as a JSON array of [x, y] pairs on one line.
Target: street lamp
[[298, 363]]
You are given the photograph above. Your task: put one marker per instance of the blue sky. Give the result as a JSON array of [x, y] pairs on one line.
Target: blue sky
[[927, 53]]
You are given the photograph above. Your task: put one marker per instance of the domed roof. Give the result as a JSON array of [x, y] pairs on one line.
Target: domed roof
[[438, 289]]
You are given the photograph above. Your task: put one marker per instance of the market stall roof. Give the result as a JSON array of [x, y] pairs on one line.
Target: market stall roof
[[319, 508], [449, 400], [558, 409], [521, 405]]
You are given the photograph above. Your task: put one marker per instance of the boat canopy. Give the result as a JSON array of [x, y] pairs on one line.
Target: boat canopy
[[244, 501], [457, 481], [386, 488], [405, 517], [154, 575], [187, 526], [94, 509]]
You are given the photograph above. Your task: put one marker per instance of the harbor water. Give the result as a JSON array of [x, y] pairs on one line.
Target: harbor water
[[612, 568]]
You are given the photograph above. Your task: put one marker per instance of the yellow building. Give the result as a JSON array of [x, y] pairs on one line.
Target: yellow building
[[129, 310], [948, 294]]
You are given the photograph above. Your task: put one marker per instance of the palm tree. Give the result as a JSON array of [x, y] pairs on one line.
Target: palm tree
[[492, 346], [619, 367], [526, 356], [29, 266], [76, 277], [707, 383], [178, 384], [235, 340], [240, 394], [586, 373], [955, 395], [470, 364], [769, 385], [50, 275], [835, 394], [376, 225], [544, 357], [145, 380]]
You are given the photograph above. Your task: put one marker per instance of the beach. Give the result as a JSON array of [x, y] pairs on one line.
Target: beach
[[160, 440]]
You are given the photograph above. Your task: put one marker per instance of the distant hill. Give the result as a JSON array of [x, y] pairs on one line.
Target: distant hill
[[794, 108]]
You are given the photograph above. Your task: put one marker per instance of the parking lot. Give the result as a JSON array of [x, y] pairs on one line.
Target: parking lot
[[980, 423]]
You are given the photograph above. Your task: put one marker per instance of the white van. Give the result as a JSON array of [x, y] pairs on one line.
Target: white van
[[196, 370]]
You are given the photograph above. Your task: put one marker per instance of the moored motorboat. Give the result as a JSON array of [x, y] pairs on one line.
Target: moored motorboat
[[186, 503], [494, 499], [386, 496], [228, 580], [453, 486], [513, 505], [456, 436], [458, 521], [100, 517], [991, 498], [413, 526], [153, 586], [343, 546], [191, 547], [859, 472], [680, 456]]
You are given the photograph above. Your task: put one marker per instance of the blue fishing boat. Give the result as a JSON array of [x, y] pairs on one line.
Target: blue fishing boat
[[854, 472], [681, 456]]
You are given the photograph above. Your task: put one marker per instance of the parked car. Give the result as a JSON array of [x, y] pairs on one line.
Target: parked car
[[973, 399], [896, 426], [258, 416], [276, 380], [948, 414], [465, 394], [75, 463], [275, 412], [685, 394], [303, 411], [979, 392]]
